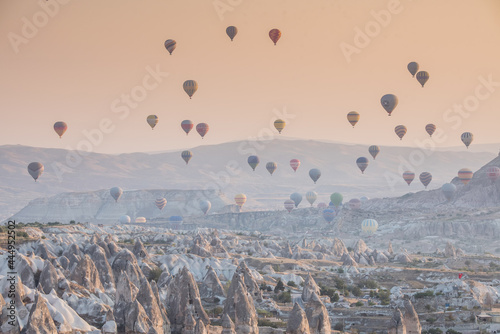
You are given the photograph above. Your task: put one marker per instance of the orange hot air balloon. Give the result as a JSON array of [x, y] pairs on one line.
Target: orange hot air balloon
[[430, 128], [408, 176], [60, 128], [240, 199], [465, 175], [275, 35]]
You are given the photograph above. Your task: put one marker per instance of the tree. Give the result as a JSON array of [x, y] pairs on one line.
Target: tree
[[279, 287], [356, 291], [292, 284], [488, 300]]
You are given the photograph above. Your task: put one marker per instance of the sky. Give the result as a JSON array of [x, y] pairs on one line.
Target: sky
[[84, 61]]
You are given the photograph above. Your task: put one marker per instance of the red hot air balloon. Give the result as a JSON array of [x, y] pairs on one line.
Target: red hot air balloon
[[187, 126], [202, 129], [294, 163], [460, 275], [275, 35], [60, 128]]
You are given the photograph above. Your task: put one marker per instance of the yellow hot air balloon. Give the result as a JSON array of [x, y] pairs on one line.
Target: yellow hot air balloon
[[190, 87], [152, 121], [279, 124], [353, 118], [240, 199]]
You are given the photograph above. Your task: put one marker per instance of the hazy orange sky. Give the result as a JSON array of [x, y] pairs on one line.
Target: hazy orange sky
[[76, 65]]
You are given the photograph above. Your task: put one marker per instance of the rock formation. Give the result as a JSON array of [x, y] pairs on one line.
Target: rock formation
[[297, 321]]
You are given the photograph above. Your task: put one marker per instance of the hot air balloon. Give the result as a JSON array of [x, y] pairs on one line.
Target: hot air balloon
[[152, 121], [289, 205], [369, 226], [296, 198], [465, 175], [186, 156], [275, 35], [240, 199], [170, 45], [430, 128], [413, 68], [175, 221], [202, 129], [422, 77], [160, 203], [231, 31], [271, 167], [400, 131], [467, 138], [187, 125], [408, 176], [279, 124], [253, 161], [205, 206], [124, 219], [190, 87], [362, 163], [363, 199], [35, 169], [374, 150], [493, 173], [336, 199], [354, 204], [141, 220], [389, 102], [294, 163], [328, 215], [322, 205], [448, 190], [311, 197], [60, 128], [353, 118], [315, 174], [425, 178], [460, 275], [116, 193]]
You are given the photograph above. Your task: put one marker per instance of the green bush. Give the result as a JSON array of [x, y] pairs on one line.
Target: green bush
[[292, 284], [284, 297], [359, 304], [279, 286], [154, 275], [428, 293]]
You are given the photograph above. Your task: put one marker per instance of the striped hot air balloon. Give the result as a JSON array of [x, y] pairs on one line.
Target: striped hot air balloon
[[408, 176], [467, 138], [400, 131], [274, 35], [354, 203], [413, 68], [253, 161], [328, 215], [465, 175], [369, 226], [35, 169], [311, 197], [322, 205], [60, 128], [422, 77], [389, 102], [160, 203], [170, 45], [186, 156], [314, 174], [353, 118], [141, 220], [425, 178], [231, 31], [279, 124], [362, 163], [271, 167], [152, 121], [430, 128], [202, 129], [294, 163], [190, 87], [289, 205], [374, 151], [240, 199], [493, 173], [187, 126]]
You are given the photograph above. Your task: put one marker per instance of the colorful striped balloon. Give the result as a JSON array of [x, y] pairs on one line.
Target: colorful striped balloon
[[430, 128], [190, 87], [161, 203], [170, 45], [374, 150], [186, 156], [467, 138], [353, 118], [275, 35], [231, 31], [425, 178], [60, 128], [362, 163], [279, 124], [187, 126], [289, 205], [294, 163], [271, 167], [202, 129], [422, 77], [311, 197], [240, 199], [400, 131], [408, 176], [328, 215], [152, 121], [493, 173], [369, 226], [465, 175]]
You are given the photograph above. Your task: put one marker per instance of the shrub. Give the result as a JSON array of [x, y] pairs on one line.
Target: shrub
[[428, 293], [279, 287], [359, 304], [154, 274], [338, 327], [284, 297], [292, 284]]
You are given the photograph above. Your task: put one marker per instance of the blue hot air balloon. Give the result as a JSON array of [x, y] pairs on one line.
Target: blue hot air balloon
[[329, 215]]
